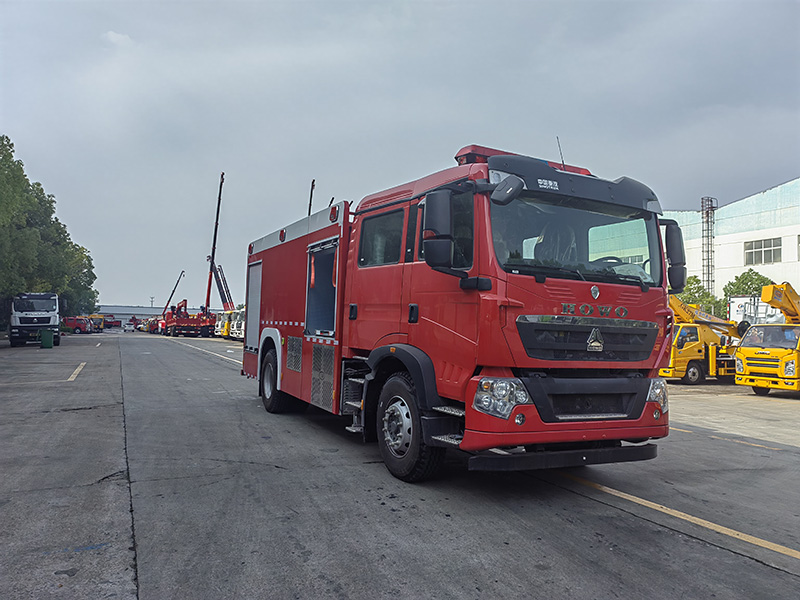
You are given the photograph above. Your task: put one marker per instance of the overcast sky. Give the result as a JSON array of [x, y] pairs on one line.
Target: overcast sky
[[127, 111]]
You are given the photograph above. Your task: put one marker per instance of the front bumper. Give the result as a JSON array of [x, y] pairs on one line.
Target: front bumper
[[30, 333], [775, 383], [558, 459]]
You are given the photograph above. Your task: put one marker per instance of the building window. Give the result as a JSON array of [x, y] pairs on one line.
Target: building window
[[762, 252]]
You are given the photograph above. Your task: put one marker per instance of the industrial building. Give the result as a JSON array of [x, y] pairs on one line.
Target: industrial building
[[761, 232]]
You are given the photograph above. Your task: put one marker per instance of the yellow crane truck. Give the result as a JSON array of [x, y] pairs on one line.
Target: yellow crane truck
[[768, 355], [702, 344]]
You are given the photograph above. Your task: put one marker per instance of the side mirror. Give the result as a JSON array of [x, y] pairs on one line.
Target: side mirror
[[507, 190], [676, 256], [437, 225], [437, 213], [438, 253]]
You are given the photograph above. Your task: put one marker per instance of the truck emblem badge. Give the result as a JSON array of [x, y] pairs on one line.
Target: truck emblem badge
[[595, 341], [595, 292]]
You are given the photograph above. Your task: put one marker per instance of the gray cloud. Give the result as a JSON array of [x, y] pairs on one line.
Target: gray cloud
[[127, 111]]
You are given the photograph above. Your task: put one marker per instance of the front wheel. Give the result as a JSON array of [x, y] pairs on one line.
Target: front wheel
[[399, 425], [694, 373], [759, 391]]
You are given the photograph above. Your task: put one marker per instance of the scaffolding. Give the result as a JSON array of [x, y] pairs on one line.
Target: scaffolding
[[707, 207]]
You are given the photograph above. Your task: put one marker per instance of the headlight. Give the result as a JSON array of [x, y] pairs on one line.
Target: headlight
[[499, 396], [658, 393], [788, 368], [739, 365]]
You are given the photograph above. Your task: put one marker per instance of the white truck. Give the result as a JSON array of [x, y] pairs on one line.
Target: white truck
[[30, 315]]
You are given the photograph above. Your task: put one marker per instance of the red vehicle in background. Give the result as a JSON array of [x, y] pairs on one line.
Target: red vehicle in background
[[110, 321], [509, 307], [177, 321], [78, 324]]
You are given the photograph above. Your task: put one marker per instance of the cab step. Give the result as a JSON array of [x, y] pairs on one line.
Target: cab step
[[449, 439], [451, 410]]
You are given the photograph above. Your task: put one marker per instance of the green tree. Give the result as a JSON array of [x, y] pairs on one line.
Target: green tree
[[748, 283], [696, 293], [37, 252]]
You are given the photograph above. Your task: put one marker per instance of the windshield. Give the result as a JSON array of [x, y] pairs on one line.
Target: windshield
[[559, 236], [771, 336], [34, 305]]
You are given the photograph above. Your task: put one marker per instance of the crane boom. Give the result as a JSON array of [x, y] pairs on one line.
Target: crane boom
[[166, 306], [785, 299], [687, 313], [222, 287], [211, 269]]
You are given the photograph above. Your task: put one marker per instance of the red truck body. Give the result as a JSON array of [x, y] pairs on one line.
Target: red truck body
[[78, 324], [177, 321], [413, 314]]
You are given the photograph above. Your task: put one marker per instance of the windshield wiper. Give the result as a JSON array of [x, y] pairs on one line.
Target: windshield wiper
[[540, 271], [612, 276]]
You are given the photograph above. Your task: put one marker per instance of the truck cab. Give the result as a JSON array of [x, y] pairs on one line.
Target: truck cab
[[30, 314], [768, 356]]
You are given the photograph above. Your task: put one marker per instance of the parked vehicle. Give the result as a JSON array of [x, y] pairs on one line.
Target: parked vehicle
[[178, 321], [702, 344], [98, 322], [510, 307], [31, 314], [222, 327], [767, 357], [237, 324], [78, 324]]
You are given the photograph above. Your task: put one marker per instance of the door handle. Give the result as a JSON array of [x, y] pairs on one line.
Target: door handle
[[353, 312], [413, 313]]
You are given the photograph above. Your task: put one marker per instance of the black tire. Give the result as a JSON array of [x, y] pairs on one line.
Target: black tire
[[275, 401], [399, 427], [15, 343], [56, 339], [759, 391], [76, 330], [694, 373]]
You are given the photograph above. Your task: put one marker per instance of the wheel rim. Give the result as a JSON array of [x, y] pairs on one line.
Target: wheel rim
[[694, 374], [397, 427], [269, 381]]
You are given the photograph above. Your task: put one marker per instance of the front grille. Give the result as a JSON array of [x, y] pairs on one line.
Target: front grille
[[34, 320], [576, 338], [570, 398], [587, 406]]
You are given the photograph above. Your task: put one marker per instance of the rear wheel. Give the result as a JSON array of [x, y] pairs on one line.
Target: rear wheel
[[399, 425], [77, 330], [759, 391], [694, 373]]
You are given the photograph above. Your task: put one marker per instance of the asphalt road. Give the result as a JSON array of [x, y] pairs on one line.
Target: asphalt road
[[139, 466]]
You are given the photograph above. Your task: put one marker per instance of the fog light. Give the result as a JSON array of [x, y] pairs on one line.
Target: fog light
[[656, 414], [519, 419]]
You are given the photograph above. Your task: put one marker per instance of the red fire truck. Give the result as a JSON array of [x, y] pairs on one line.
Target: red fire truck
[[509, 307]]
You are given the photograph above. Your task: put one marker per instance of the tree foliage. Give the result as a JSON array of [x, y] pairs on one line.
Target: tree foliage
[[36, 252], [696, 293], [748, 283]]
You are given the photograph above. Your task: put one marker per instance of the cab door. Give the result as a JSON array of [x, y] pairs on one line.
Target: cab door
[[440, 317], [688, 345], [375, 281]]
